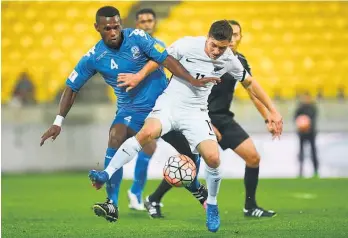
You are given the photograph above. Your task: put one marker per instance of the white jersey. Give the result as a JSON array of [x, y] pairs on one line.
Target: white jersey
[[190, 52]]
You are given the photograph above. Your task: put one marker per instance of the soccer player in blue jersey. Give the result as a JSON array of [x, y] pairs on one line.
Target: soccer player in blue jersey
[[120, 51]]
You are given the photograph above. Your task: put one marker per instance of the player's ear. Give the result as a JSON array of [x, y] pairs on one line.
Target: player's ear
[[96, 27]]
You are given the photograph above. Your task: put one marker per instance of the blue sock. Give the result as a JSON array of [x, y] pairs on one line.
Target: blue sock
[[140, 174], [193, 187], [113, 185]]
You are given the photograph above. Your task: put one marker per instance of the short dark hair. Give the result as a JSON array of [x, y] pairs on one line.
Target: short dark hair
[[106, 11], [221, 30], [145, 11], [234, 22]]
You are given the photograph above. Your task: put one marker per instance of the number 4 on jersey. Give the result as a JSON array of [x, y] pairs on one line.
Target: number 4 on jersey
[[113, 64], [128, 119]]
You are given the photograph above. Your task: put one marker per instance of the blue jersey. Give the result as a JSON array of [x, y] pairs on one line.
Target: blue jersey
[[136, 50]]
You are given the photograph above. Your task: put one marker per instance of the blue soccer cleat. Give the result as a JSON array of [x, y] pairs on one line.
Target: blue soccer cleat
[[213, 218], [98, 178]]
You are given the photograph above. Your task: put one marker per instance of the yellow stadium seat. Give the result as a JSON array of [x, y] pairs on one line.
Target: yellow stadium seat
[[290, 45], [47, 41]]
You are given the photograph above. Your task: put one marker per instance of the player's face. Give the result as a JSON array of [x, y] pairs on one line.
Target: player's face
[[236, 38], [146, 22], [110, 30], [215, 48]]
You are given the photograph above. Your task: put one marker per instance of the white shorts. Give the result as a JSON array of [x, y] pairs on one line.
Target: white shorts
[[193, 123]]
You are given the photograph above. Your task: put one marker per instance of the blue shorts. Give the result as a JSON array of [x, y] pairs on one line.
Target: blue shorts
[[131, 118]]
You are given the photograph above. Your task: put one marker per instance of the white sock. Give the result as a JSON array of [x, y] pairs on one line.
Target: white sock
[[124, 154], [213, 179]]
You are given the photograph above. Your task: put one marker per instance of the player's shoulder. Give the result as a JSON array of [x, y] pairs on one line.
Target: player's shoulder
[[241, 56], [160, 42], [133, 33], [95, 51], [243, 60]]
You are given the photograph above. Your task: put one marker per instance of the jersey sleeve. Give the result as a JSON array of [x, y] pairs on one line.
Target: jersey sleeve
[[245, 63], [161, 43], [178, 49], [149, 46], [236, 69], [247, 67], [82, 72]]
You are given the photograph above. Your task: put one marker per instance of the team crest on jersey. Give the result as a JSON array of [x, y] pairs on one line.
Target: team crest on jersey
[[158, 47], [136, 52]]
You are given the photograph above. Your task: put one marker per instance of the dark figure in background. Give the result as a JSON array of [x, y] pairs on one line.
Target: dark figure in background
[[306, 118], [24, 91]]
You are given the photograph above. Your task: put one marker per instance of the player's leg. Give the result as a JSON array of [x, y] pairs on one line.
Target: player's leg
[[159, 121], [209, 150], [141, 166], [117, 135], [140, 177], [237, 139], [301, 154], [314, 155], [153, 201], [180, 143], [131, 147], [197, 128], [247, 151]]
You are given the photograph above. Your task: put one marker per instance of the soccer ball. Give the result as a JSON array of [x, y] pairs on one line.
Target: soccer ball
[[179, 170]]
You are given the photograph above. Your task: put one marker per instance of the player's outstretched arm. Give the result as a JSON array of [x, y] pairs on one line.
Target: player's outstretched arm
[[264, 113], [66, 102], [130, 81], [274, 117], [176, 68]]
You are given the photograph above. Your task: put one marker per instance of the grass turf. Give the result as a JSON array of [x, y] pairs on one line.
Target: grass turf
[[59, 205]]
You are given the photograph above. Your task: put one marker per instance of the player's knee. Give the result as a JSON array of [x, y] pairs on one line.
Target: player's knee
[[145, 136], [212, 160], [116, 139], [253, 160]]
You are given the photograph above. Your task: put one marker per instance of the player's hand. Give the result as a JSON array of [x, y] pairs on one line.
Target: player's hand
[[129, 81], [53, 132], [276, 121], [217, 133], [203, 81], [271, 129]]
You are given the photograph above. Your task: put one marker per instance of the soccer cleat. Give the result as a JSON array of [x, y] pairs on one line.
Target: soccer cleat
[[153, 208], [201, 195], [258, 212], [213, 218], [134, 203], [98, 178], [107, 210]]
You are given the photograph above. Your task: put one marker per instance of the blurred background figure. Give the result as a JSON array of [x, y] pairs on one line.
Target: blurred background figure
[[146, 20], [24, 92], [305, 118], [23, 96]]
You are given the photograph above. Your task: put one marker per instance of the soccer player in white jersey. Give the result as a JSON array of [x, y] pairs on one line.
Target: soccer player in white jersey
[[183, 107]]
